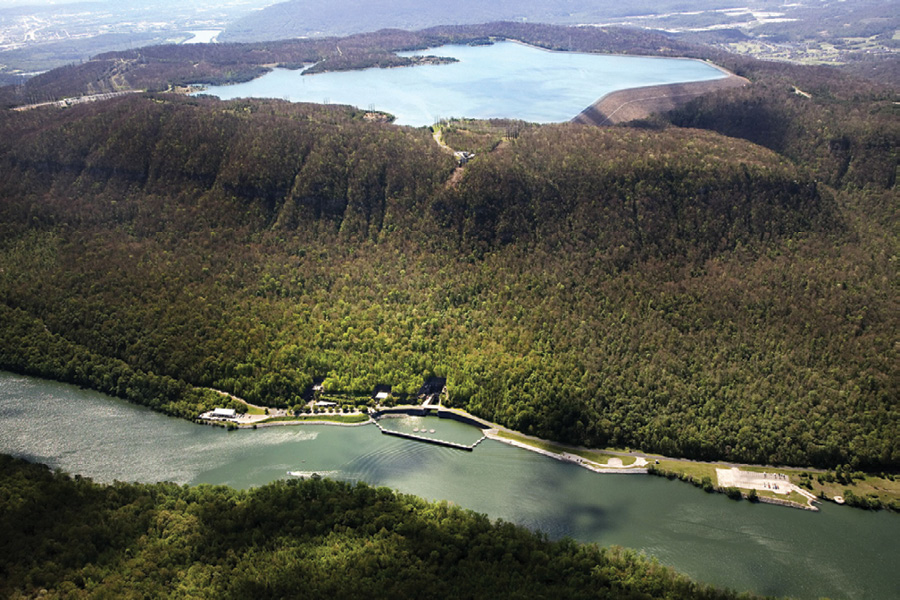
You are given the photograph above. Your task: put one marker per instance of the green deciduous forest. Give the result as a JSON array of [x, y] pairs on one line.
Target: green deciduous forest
[[718, 283], [72, 538], [715, 283], [673, 290]]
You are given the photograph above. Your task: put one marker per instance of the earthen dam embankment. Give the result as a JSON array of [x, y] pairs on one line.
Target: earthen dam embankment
[[639, 103]]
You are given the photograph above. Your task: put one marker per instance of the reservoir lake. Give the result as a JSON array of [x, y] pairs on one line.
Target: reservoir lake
[[839, 552], [502, 80]]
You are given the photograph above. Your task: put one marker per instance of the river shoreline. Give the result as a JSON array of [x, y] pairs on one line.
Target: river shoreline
[[569, 458], [678, 467], [643, 464], [801, 554], [309, 422]]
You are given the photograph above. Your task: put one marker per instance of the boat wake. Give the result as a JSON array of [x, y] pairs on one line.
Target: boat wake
[[308, 474]]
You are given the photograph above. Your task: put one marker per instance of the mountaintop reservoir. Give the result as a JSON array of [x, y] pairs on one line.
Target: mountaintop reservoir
[[502, 80]]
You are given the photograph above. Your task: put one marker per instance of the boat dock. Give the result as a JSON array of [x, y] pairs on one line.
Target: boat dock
[[430, 440]]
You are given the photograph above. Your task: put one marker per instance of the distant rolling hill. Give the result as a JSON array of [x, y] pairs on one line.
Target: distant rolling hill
[[301, 18]]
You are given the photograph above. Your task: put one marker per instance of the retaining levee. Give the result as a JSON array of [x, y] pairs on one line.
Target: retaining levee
[[788, 503]]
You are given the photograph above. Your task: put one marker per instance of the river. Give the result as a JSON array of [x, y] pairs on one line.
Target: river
[[503, 80], [203, 36], [839, 552]]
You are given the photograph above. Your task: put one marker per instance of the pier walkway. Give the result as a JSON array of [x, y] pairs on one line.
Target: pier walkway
[[430, 440]]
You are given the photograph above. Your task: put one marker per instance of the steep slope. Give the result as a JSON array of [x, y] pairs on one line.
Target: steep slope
[[845, 130], [674, 290]]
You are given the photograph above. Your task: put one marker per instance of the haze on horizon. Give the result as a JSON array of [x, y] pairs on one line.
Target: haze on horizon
[[38, 35]]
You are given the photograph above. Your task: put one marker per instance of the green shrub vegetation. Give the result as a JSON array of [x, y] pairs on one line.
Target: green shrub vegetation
[[71, 538]]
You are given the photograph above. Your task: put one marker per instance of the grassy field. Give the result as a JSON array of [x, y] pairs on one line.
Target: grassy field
[[884, 489], [697, 472], [479, 136], [694, 469]]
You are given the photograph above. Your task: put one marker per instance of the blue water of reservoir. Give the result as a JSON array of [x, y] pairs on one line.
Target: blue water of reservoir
[[503, 80]]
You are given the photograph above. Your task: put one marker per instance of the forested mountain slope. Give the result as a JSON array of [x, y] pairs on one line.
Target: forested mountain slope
[[846, 131], [673, 290]]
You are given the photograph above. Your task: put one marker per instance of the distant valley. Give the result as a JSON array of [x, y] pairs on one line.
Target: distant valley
[[835, 32]]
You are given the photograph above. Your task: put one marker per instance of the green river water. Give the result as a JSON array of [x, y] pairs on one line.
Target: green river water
[[839, 552]]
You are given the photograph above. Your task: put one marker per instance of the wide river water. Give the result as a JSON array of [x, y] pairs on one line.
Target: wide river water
[[503, 80], [839, 552]]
